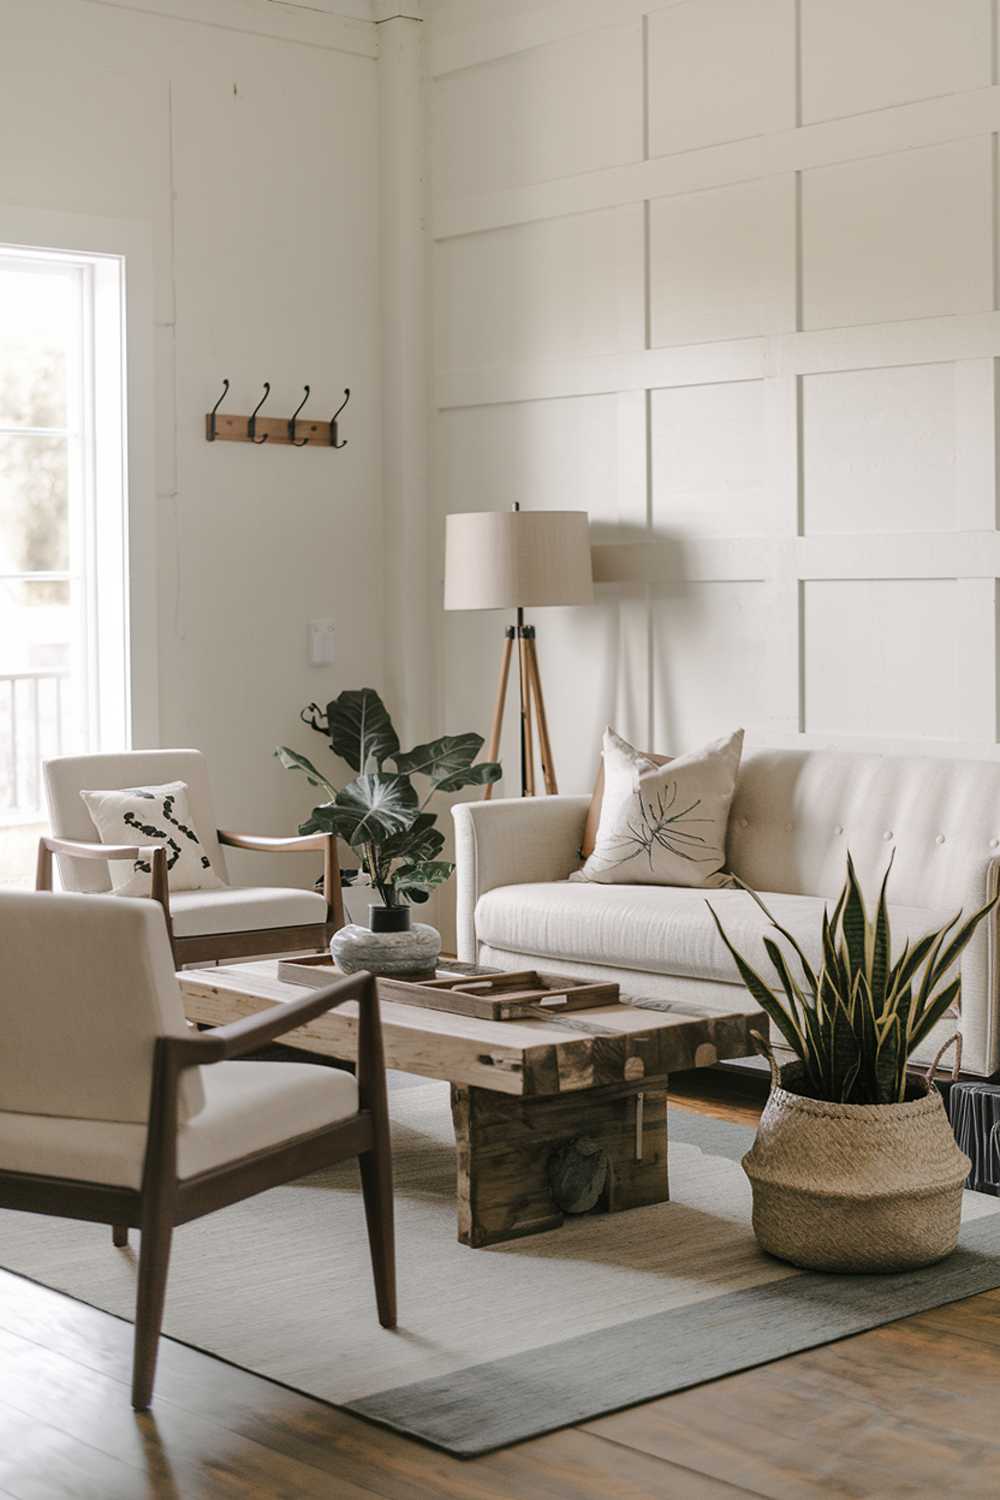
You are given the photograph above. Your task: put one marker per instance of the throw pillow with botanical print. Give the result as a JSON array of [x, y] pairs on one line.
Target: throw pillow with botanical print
[[664, 825]]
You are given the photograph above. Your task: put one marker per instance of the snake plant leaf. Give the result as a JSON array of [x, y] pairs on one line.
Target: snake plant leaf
[[910, 961], [371, 808], [934, 1011], [887, 1060], [803, 1014], [881, 948], [855, 1028], [361, 731], [421, 841], [448, 762], [293, 761], [767, 1001], [794, 995], [854, 921], [961, 940], [807, 970]]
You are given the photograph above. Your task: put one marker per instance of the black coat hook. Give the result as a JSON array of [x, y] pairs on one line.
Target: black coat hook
[[215, 408], [333, 421], [252, 420], [291, 422]]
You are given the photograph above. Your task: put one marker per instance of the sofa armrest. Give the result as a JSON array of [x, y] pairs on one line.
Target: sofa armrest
[[513, 841], [979, 1021]]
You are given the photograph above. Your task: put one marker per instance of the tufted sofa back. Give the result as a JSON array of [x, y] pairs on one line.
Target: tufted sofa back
[[797, 812]]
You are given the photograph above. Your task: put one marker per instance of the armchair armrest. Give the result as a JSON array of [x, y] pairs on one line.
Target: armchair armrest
[[513, 841], [307, 843], [156, 854], [224, 1043], [236, 1039]]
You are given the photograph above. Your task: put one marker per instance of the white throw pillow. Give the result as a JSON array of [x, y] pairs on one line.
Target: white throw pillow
[[664, 825], [152, 815]]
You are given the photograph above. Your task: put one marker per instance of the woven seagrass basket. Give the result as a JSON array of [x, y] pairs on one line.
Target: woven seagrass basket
[[855, 1187]]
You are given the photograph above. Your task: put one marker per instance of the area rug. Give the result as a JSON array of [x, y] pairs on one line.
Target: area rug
[[496, 1345]]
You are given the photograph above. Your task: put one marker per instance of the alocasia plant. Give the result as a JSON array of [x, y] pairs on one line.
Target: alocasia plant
[[380, 813]]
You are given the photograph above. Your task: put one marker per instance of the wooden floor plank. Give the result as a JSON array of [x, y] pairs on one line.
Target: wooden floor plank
[[903, 1411], [899, 1411], [39, 1462]]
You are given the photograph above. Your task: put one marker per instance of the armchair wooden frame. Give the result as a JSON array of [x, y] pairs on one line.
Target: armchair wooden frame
[[219, 946], [164, 1201]]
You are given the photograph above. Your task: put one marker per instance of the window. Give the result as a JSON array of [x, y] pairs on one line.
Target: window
[[63, 596]]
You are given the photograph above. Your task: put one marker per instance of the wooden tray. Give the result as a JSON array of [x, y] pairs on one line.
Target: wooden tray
[[489, 997]]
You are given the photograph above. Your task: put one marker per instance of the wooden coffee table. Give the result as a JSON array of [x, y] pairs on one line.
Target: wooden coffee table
[[520, 1090]]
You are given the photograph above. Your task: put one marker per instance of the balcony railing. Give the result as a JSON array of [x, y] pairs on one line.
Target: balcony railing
[[32, 728]]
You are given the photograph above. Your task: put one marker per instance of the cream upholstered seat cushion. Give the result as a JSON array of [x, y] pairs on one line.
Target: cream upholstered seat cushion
[[659, 929], [244, 909], [249, 1106]]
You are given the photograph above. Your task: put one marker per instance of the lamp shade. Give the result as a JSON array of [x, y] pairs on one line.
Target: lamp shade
[[506, 559]]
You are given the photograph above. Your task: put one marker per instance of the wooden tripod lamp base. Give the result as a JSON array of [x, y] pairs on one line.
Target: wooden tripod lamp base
[[531, 711], [512, 560]]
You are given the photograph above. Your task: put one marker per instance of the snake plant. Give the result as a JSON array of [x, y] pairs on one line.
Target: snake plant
[[855, 1023]]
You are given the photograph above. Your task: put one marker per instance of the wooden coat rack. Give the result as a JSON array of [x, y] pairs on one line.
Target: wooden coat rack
[[289, 432]]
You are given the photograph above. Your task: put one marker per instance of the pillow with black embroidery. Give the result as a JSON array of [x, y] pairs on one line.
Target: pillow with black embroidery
[[152, 815]]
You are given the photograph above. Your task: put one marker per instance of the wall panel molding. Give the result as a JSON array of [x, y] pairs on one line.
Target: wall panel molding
[[883, 132], [815, 498]]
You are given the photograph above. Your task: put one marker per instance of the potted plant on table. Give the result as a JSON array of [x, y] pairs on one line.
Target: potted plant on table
[[386, 821], [855, 1167]]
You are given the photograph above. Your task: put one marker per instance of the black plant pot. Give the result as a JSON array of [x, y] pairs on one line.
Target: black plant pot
[[389, 918]]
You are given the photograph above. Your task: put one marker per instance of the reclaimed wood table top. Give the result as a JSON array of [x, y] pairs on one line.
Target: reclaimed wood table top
[[581, 1050]]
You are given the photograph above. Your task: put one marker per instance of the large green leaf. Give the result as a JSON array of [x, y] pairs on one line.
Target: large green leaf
[[293, 761], [448, 762], [415, 881], [369, 810], [361, 730], [421, 841]]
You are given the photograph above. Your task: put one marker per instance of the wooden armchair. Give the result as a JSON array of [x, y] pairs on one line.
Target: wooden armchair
[[204, 926], [115, 1112]]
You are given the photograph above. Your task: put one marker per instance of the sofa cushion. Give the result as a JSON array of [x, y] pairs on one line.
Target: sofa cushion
[[660, 929]]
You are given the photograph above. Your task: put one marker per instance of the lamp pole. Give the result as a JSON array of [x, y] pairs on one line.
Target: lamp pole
[[517, 633]]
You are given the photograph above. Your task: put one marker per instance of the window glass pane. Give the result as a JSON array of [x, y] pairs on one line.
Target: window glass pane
[[34, 509], [39, 646], [37, 327]]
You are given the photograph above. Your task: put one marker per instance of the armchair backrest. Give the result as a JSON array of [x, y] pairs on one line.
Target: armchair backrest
[[87, 984], [67, 775]]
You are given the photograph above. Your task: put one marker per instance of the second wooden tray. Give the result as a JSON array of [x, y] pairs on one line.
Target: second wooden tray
[[488, 997]]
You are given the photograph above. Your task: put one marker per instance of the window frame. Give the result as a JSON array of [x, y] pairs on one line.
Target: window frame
[[121, 254]]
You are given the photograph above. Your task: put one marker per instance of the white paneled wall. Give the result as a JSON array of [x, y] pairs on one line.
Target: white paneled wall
[[723, 273]]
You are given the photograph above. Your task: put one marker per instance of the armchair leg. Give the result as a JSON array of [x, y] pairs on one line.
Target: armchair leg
[[376, 1187], [119, 1236], [154, 1259]]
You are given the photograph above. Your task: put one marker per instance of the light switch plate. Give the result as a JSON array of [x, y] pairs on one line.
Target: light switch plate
[[321, 643]]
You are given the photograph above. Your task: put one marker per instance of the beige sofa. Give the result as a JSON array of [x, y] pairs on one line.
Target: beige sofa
[[795, 815]]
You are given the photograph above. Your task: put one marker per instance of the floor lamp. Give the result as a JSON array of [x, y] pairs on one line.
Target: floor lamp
[[519, 559]]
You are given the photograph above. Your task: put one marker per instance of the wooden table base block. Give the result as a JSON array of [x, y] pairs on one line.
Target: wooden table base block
[[505, 1141]]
